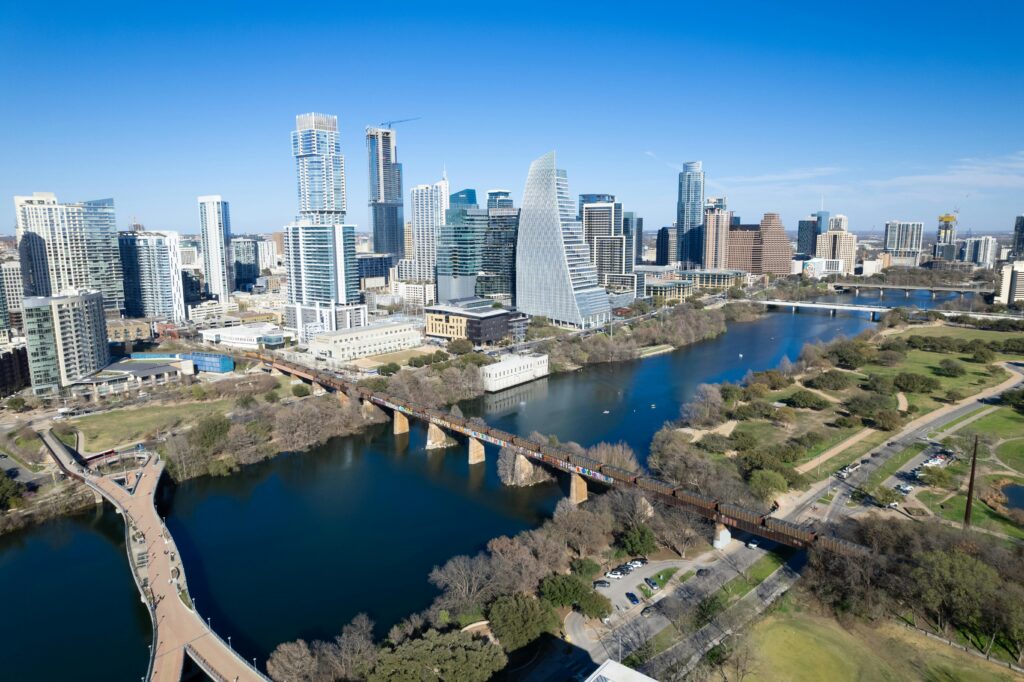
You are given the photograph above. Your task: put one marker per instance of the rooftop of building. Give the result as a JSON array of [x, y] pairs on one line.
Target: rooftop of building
[[474, 306]]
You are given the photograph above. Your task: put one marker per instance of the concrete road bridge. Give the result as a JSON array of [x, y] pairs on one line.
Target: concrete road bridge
[[580, 469], [874, 310], [178, 630]]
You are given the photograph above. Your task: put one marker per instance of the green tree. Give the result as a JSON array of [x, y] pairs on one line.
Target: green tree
[[10, 492], [950, 368], [585, 568], [441, 657], [983, 355], [937, 477], [885, 496], [916, 383], [300, 390], [563, 590], [887, 420], [518, 619], [460, 346], [209, 432], [707, 609], [388, 369], [271, 396], [954, 395], [16, 404], [638, 540], [766, 484], [952, 586], [803, 398]]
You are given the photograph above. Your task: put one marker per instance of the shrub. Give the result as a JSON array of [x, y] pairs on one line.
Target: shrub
[[983, 355], [585, 568], [915, 383], [16, 404], [388, 369], [460, 346], [890, 358], [714, 442], [638, 540], [806, 400], [244, 402], [950, 368], [880, 384], [300, 390], [765, 484], [832, 380], [271, 396], [517, 620]]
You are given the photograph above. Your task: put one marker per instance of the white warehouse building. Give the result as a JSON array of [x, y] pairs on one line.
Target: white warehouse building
[[513, 370]]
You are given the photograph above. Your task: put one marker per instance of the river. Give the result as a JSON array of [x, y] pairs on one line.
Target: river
[[298, 545]]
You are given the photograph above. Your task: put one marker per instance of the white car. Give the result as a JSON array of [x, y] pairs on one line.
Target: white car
[[635, 564], [752, 544], [614, 575]]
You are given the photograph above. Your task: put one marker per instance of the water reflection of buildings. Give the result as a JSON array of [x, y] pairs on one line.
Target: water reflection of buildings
[[507, 401]]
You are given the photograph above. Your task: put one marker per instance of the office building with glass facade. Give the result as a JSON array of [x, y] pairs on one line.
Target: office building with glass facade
[[386, 212], [690, 215], [153, 286], [554, 275]]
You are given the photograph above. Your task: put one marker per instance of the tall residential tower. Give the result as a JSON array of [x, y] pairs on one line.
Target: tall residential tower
[[215, 231], [690, 216], [385, 192]]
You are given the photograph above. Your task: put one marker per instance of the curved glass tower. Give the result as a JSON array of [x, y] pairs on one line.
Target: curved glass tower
[[554, 275]]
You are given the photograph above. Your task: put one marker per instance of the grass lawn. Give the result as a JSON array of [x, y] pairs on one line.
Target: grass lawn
[[110, 429], [799, 646], [1011, 453], [662, 577], [1003, 423], [923, 362], [958, 332], [893, 465], [983, 516], [755, 575], [402, 357]]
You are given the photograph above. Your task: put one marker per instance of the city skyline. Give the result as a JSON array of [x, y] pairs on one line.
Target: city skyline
[[771, 153]]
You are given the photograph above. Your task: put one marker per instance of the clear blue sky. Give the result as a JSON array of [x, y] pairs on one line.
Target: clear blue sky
[[892, 109]]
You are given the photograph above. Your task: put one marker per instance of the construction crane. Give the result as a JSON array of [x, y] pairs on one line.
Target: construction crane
[[389, 124]]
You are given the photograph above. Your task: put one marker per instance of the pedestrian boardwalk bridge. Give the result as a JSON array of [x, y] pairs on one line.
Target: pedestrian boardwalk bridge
[[578, 468], [156, 566]]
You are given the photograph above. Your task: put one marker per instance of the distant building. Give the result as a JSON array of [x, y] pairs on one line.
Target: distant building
[[838, 244], [760, 249], [817, 267], [716, 238], [320, 259], [215, 227], [497, 277], [903, 242], [460, 248], [210, 310], [385, 192], [513, 370], [66, 337], [64, 247], [870, 267], [663, 247], [320, 169], [374, 265], [13, 287], [14, 372], [980, 251], [612, 671], [1017, 251], [153, 286], [808, 230], [499, 198], [362, 342], [415, 294], [128, 331], [554, 275], [690, 216], [309, 320], [266, 254], [663, 291], [634, 225], [946, 232], [429, 204], [1010, 283], [245, 262], [713, 280], [247, 336], [475, 319]]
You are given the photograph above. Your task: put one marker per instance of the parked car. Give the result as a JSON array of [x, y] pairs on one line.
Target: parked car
[[633, 599], [613, 574], [652, 584], [639, 561], [602, 583], [701, 572], [634, 564], [752, 544], [648, 611]]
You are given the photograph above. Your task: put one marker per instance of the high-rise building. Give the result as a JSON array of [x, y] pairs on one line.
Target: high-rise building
[[592, 199], [215, 233], [460, 251], [634, 225], [153, 285], [1010, 283], [611, 243], [499, 198], [498, 260], [839, 223], [946, 232], [808, 230], [245, 262], [5, 317], [690, 216], [266, 254], [663, 251], [429, 204], [321, 264], [1017, 252], [464, 198], [13, 284], [385, 192], [66, 247], [320, 167], [903, 242], [716, 238], [981, 251], [66, 337], [554, 275], [838, 244], [760, 249]]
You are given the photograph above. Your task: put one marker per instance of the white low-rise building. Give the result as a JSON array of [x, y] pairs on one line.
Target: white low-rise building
[[361, 342], [211, 310], [248, 336], [513, 370]]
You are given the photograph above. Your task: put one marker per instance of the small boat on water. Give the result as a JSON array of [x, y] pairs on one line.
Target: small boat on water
[[741, 355], [606, 412]]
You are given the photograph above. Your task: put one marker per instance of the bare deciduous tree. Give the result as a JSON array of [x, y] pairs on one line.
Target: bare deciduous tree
[[292, 662]]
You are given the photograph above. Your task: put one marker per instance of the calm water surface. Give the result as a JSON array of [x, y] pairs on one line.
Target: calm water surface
[[296, 546]]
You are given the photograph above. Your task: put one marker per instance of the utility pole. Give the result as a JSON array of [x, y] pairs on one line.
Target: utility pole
[[970, 485]]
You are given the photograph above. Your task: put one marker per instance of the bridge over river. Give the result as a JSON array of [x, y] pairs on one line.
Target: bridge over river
[[579, 468], [874, 310], [178, 630]]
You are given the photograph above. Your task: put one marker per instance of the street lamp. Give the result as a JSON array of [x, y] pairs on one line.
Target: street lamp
[[229, 643]]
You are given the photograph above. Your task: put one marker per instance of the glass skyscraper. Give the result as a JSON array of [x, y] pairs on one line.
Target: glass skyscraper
[[498, 275], [690, 216], [429, 204], [64, 247], [153, 285], [459, 247], [320, 167], [321, 263], [554, 275], [245, 262], [385, 192], [499, 198]]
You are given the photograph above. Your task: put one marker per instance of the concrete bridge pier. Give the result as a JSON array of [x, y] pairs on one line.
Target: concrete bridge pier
[[881, 293], [874, 316], [933, 294], [577, 489], [906, 293], [399, 423], [318, 389], [343, 397], [833, 312], [476, 451], [722, 536], [96, 497], [437, 438]]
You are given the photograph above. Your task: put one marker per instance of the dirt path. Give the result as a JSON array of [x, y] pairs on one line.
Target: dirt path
[[831, 398], [834, 450], [724, 429], [901, 402]]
